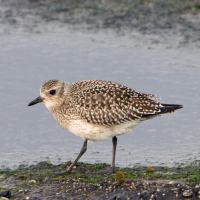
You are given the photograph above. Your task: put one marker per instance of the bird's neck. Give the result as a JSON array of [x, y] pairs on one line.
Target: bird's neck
[[61, 117]]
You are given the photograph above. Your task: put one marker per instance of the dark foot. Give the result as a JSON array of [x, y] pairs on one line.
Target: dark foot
[[111, 171], [61, 173]]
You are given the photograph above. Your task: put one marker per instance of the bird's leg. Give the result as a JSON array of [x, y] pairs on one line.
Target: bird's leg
[[83, 150], [114, 140]]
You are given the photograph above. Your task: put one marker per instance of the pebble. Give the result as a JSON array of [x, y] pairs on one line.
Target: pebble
[[5, 193], [32, 181], [3, 198], [21, 176], [22, 191], [187, 193]]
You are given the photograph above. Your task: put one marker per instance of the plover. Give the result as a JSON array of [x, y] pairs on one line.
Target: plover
[[97, 110]]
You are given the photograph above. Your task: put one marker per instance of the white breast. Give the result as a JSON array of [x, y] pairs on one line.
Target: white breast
[[95, 133]]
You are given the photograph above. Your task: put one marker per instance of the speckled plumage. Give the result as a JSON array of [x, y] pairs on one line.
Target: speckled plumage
[[107, 103], [49, 84], [97, 110]]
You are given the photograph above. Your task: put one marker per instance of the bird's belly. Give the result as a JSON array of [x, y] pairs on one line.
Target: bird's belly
[[94, 133]]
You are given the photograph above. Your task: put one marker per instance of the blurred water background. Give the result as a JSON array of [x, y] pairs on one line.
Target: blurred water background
[[30, 134]]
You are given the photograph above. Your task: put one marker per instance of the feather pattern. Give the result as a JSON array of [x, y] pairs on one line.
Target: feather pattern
[[107, 103]]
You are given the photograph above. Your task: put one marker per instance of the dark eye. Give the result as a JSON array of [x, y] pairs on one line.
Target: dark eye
[[52, 92]]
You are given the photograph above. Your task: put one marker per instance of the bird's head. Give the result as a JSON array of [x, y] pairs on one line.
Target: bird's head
[[52, 94]]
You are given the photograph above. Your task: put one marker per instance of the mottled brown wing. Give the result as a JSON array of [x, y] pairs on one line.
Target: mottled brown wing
[[108, 103]]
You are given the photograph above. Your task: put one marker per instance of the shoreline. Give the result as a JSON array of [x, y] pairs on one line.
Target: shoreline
[[92, 181], [158, 22]]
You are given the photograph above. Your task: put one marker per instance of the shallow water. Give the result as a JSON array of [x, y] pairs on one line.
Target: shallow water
[[30, 134]]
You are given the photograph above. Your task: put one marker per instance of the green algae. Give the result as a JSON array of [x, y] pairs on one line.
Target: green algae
[[42, 173]]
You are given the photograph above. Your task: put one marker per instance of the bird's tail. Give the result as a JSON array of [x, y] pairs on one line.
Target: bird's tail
[[166, 108], [169, 108]]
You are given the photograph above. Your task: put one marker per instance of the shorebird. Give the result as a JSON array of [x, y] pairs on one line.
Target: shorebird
[[97, 110]]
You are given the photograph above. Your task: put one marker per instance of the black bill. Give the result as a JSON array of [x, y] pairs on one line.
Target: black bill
[[35, 101]]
